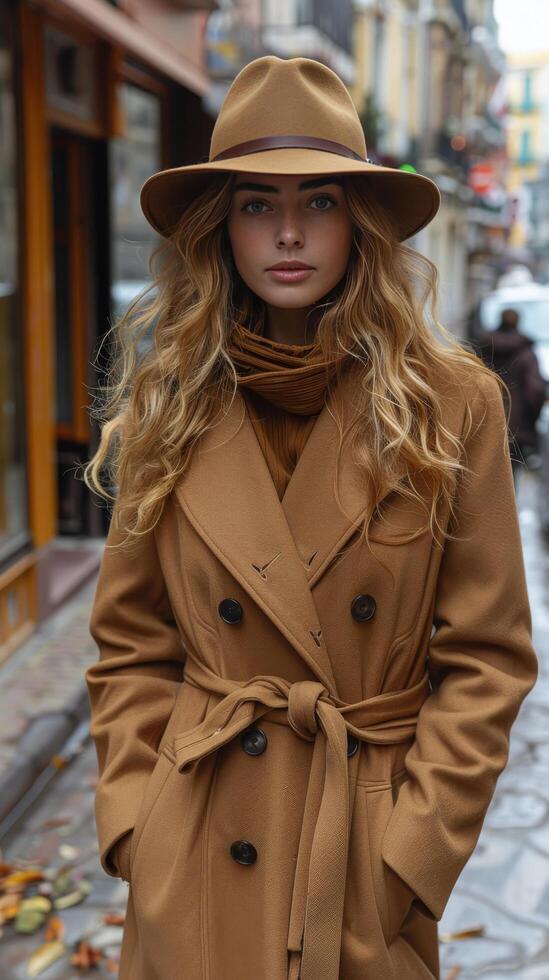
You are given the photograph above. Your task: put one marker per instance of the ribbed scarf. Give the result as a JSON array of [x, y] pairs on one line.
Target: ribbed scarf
[[277, 371]]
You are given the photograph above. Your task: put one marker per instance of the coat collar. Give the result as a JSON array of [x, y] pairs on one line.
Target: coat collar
[[277, 550]]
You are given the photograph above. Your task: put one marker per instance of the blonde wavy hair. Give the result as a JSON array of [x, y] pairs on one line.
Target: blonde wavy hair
[[170, 372]]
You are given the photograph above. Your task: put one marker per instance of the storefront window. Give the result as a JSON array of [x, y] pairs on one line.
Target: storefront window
[[13, 489], [133, 158]]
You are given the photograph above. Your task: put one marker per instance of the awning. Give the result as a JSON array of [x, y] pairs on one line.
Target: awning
[[114, 26]]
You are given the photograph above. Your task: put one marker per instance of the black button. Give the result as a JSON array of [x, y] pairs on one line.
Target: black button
[[230, 610], [243, 852], [363, 607], [352, 744], [253, 740]]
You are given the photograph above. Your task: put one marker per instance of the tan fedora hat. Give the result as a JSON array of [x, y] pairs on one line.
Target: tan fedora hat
[[290, 116]]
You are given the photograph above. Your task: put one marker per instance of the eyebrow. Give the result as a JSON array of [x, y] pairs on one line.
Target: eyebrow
[[304, 185]]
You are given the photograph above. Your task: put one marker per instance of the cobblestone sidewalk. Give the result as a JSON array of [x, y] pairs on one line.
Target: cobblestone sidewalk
[[43, 695], [505, 885]]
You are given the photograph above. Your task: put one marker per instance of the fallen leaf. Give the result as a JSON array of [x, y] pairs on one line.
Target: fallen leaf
[[8, 912], [32, 913], [73, 898], [106, 938], [8, 901], [63, 882], [85, 955], [471, 933], [21, 877], [114, 919], [454, 972], [55, 928], [38, 903], [56, 822], [44, 956]]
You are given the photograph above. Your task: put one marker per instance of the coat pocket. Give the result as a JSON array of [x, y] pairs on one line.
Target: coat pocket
[[380, 804], [157, 780]]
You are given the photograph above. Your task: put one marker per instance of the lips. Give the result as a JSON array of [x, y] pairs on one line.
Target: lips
[[290, 274], [280, 266]]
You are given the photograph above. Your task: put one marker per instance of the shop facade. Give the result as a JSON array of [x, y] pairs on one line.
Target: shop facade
[[89, 93]]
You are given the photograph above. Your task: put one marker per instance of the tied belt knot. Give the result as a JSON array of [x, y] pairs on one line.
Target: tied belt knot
[[316, 715], [302, 707]]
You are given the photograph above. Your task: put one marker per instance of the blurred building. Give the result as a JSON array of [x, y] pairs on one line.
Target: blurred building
[[425, 73], [489, 212], [528, 148], [246, 29], [538, 222], [89, 92]]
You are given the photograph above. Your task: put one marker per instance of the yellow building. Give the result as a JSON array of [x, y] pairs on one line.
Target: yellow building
[[389, 35], [409, 87], [527, 135]]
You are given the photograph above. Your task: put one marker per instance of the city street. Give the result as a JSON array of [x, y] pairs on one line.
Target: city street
[[504, 888], [195, 194], [505, 885]]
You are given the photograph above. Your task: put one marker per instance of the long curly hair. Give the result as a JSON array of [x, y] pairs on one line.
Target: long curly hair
[[170, 375]]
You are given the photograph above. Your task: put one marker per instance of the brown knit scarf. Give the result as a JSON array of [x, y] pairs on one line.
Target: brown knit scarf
[[293, 377]]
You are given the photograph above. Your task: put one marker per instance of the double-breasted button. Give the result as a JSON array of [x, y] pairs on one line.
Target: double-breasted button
[[363, 607], [352, 744], [230, 610], [253, 740], [243, 852]]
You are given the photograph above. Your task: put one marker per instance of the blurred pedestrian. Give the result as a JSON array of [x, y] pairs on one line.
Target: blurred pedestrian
[[510, 353]]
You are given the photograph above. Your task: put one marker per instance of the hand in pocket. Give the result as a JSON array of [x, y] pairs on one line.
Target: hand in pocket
[[122, 855], [399, 900]]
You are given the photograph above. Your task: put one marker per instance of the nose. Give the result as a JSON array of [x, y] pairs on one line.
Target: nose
[[290, 233]]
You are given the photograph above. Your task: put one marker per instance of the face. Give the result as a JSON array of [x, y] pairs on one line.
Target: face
[[280, 218]]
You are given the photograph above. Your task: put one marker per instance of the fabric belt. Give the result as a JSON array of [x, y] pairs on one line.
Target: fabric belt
[[316, 914]]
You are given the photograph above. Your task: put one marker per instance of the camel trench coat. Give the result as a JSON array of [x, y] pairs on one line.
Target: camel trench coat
[[280, 716]]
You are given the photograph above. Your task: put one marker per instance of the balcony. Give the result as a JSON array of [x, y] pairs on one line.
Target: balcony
[[525, 160], [526, 105]]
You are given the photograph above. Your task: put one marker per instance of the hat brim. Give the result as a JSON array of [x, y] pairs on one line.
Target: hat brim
[[412, 199]]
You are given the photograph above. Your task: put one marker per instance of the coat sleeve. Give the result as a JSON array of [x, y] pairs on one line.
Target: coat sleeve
[[483, 665], [133, 686]]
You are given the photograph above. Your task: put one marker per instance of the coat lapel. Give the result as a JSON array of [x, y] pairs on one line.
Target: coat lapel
[[276, 550]]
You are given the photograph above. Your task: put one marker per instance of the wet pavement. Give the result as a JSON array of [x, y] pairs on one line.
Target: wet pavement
[[70, 795], [504, 887]]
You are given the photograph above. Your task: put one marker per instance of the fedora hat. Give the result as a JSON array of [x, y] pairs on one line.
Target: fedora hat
[[290, 116]]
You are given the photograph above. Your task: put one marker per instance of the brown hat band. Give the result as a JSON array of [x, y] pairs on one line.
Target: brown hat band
[[282, 142]]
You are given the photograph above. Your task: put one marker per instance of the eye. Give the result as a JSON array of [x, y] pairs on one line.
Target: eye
[[319, 197], [249, 204], [324, 197]]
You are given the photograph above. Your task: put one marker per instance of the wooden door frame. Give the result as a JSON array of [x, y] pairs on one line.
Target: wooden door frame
[[37, 284], [37, 277], [78, 430]]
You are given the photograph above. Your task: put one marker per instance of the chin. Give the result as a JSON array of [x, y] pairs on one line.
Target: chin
[[289, 297]]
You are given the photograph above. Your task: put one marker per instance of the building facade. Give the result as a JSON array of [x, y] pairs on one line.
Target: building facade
[[89, 92], [528, 144]]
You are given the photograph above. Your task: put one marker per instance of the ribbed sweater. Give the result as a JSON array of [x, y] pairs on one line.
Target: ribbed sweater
[[283, 386]]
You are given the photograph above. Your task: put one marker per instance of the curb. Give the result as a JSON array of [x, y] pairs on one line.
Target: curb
[[45, 736]]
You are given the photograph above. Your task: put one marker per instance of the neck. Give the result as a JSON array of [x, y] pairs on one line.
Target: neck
[[288, 326]]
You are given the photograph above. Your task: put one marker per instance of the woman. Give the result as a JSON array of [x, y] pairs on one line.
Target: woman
[[312, 614]]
